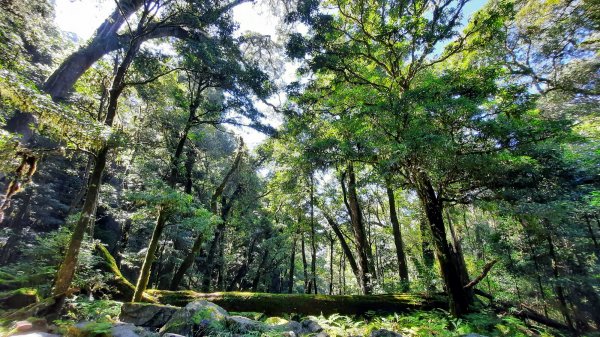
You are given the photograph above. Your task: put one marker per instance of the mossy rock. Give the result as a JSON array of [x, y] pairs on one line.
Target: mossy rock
[[147, 314], [198, 316], [19, 298]]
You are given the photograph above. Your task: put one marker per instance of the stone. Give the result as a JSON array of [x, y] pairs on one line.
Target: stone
[[18, 299], [384, 333], [130, 330], [293, 327], [310, 326], [242, 324], [168, 334], [146, 314], [197, 316], [23, 326]]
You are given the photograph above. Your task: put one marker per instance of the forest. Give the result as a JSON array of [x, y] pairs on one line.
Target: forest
[[379, 168]]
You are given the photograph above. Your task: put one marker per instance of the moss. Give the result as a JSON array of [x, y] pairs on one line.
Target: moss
[[275, 304]]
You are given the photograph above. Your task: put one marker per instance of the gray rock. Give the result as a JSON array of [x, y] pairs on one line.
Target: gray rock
[[384, 333], [242, 324], [130, 330], [146, 314], [310, 326], [194, 317], [292, 326]]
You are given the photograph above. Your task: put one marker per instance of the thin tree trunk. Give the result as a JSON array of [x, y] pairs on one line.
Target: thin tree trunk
[[560, 293], [536, 265], [358, 227], [292, 266], [142, 282], [304, 266], [313, 261], [331, 242], [400, 255]]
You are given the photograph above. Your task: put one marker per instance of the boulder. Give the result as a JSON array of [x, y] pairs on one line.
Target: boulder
[[197, 316], [130, 330], [23, 326], [18, 299], [37, 334], [291, 328], [146, 314], [384, 333], [310, 326], [240, 324]]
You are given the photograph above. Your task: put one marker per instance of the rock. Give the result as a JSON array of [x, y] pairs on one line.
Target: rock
[[384, 333], [18, 299], [168, 334], [194, 317], [242, 324], [310, 326], [23, 326], [321, 334], [146, 314], [130, 330], [293, 328]]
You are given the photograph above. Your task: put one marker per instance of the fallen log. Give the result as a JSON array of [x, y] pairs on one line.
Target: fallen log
[[521, 311], [276, 304]]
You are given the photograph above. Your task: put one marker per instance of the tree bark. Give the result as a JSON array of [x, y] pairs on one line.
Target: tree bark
[[344, 244], [65, 274], [460, 298], [142, 282], [292, 267], [400, 255], [360, 237], [313, 260]]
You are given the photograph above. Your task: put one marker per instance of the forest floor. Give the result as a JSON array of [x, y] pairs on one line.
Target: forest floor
[[102, 318]]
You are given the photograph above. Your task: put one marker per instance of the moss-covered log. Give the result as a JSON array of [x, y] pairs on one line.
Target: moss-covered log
[[275, 304]]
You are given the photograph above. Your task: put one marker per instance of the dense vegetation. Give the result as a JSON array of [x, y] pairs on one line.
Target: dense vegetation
[[420, 148]]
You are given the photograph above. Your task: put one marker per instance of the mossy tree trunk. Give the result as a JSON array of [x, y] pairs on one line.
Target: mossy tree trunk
[[66, 272], [142, 282], [400, 255]]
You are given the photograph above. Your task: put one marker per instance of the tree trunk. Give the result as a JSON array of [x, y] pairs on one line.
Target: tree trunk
[[142, 282], [402, 265], [305, 266], [360, 237], [313, 260], [331, 242], [65, 274], [344, 244], [292, 267], [460, 298], [186, 264], [560, 293], [104, 41], [259, 270]]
